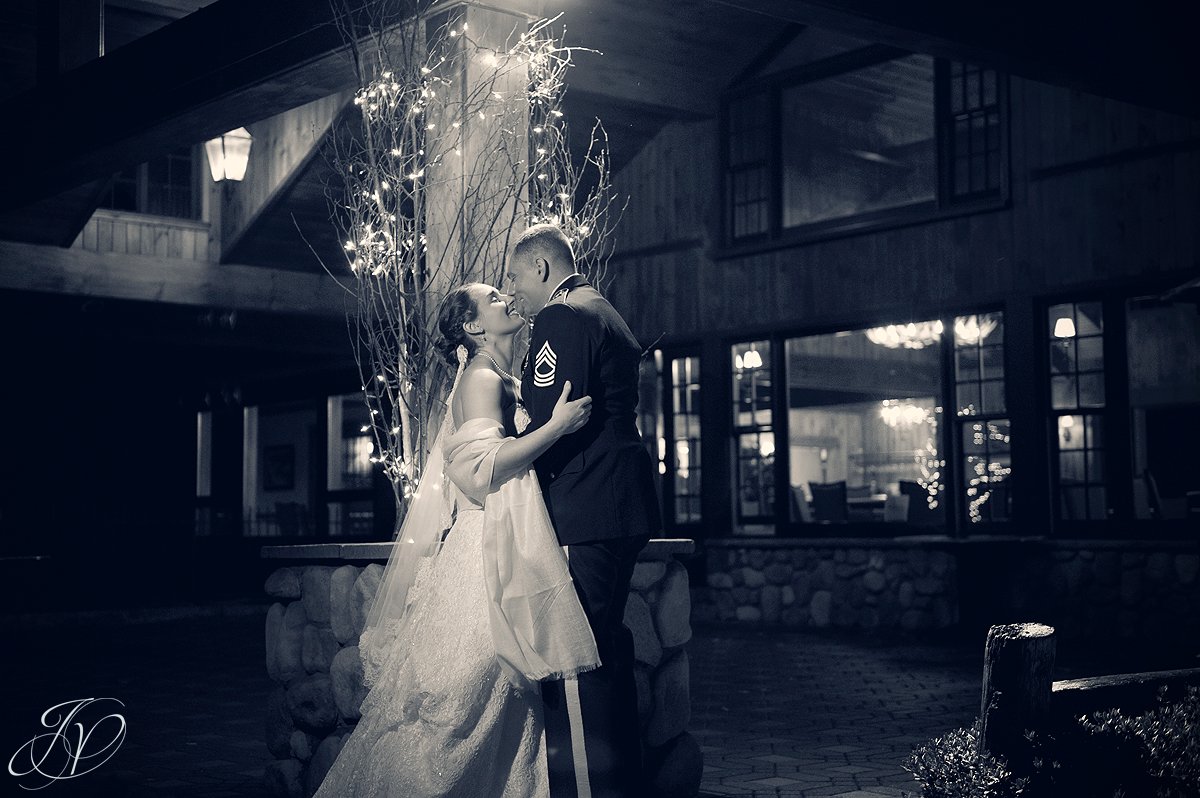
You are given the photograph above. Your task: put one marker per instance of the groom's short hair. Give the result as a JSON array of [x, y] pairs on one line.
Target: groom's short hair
[[547, 241]]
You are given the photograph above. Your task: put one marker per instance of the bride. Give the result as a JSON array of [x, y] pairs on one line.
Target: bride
[[461, 632]]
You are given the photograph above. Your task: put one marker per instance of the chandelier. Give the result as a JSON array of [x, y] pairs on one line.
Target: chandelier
[[914, 335], [973, 329], [896, 413]]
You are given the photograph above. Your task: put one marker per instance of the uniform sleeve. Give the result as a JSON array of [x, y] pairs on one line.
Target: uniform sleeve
[[559, 350]]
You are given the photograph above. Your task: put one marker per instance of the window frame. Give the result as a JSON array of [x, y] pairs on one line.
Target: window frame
[[666, 396], [957, 502], [140, 174], [1116, 417], [772, 366], [944, 205], [949, 443]]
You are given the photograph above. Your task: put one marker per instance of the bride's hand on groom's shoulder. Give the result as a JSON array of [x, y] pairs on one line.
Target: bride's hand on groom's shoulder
[[570, 415]]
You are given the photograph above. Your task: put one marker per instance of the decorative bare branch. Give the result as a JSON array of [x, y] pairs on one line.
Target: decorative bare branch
[[455, 147]]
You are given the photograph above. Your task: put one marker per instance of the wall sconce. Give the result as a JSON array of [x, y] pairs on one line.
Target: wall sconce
[[1064, 327], [1065, 423], [229, 154]]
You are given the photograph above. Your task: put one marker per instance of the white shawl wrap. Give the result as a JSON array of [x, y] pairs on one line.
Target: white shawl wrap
[[538, 626]]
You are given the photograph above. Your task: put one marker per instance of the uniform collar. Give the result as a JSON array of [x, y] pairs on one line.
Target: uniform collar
[[570, 281]]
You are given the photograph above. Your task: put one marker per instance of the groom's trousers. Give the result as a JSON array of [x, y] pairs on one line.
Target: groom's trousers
[[593, 739]]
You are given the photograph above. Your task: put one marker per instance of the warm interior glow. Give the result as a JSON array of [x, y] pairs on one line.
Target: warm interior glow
[[973, 329], [1064, 327], [909, 336]]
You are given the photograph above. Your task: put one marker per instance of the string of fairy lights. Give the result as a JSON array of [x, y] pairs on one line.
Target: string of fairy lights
[[457, 146]]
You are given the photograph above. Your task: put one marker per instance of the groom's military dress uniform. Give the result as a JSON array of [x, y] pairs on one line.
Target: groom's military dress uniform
[[599, 489]]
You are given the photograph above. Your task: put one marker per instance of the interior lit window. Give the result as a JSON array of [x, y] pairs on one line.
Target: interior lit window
[[1075, 331], [864, 411], [349, 466], [754, 436], [682, 452], [982, 416]]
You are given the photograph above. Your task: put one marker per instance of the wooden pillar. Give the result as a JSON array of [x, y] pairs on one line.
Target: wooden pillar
[[716, 425], [1024, 364], [1017, 665], [466, 203]]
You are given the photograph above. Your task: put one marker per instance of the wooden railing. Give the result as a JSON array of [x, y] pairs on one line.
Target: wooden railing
[[1019, 696], [139, 234]]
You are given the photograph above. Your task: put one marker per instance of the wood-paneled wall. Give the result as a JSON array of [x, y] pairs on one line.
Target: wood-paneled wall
[[136, 234], [1101, 192]]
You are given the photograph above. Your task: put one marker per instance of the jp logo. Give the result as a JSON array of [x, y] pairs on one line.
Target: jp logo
[[77, 743]]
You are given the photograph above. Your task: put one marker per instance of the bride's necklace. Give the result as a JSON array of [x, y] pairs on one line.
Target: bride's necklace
[[500, 368]]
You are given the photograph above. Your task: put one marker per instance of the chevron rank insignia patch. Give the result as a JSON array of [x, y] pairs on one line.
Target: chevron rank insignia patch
[[545, 365]]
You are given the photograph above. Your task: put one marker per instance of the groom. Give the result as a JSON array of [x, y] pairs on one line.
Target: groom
[[599, 490]]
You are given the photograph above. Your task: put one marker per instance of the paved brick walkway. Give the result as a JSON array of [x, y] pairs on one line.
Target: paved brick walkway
[[792, 714], [778, 713]]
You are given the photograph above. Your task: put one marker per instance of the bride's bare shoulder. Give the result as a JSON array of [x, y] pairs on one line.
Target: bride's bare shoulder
[[480, 393]]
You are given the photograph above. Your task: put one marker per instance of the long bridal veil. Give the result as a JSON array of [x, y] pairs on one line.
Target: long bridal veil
[[415, 547], [538, 627]]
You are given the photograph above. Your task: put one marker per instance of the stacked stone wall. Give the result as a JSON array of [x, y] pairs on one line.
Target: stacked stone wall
[[311, 648], [1086, 589], [852, 587]]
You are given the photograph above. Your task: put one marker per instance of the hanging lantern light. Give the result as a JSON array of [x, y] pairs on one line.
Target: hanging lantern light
[[229, 154]]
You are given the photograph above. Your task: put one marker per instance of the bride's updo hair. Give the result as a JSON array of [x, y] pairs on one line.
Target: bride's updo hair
[[456, 309]]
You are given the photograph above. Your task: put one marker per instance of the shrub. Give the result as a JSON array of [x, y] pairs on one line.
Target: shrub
[[1155, 754], [1165, 741], [951, 766]]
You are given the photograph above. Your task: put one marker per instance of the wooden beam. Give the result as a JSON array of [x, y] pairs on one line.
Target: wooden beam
[[283, 147], [56, 220], [226, 65], [175, 9], [78, 272], [1135, 53]]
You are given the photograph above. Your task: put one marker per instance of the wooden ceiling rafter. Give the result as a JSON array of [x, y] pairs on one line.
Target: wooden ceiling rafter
[[1140, 56]]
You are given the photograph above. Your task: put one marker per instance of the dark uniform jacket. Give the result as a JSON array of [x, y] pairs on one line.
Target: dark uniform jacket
[[597, 482]]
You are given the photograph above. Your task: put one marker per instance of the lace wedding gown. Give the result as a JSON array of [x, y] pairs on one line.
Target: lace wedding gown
[[443, 717]]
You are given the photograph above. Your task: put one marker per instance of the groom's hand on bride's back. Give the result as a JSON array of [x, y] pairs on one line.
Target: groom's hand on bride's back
[[570, 415]]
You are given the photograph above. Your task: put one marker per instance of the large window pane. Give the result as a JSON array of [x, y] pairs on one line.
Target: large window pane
[[1164, 395], [863, 414], [858, 142]]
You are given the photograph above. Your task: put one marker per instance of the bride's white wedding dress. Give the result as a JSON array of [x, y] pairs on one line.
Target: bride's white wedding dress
[[446, 715]]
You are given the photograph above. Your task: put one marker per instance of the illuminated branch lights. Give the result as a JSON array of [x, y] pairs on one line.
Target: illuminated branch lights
[[472, 163]]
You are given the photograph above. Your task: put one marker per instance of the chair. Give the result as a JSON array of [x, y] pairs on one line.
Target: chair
[[895, 508], [829, 501], [801, 513], [1161, 507]]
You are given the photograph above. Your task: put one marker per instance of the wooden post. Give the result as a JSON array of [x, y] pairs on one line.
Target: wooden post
[[1017, 664]]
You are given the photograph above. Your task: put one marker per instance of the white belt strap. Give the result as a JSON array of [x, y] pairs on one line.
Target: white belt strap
[[583, 787]]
